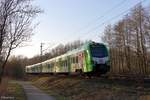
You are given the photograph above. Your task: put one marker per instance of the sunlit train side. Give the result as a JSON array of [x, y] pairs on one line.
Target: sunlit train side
[[90, 58]]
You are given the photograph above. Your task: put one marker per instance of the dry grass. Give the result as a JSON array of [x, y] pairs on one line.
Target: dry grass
[[89, 89], [10, 90], [15, 91], [3, 86]]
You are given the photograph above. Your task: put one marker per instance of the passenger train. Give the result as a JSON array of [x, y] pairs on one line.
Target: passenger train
[[90, 58]]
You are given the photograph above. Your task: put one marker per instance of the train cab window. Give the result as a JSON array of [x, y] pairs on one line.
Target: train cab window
[[98, 51]]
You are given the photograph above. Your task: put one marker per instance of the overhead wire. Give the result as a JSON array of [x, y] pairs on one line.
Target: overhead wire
[[100, 17], [124, 12], [104, 14]]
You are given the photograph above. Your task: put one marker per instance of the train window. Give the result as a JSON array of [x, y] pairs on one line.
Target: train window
[[72, 60], [52, 64], [33, 69], [76, 59], [27, 70], [62, 63], [48, 66], [66, 63]]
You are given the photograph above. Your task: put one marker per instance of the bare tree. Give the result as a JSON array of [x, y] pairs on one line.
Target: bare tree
[[15, 26], [129, 42]]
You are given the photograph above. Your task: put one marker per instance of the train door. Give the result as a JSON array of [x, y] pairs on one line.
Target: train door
[[68, 64], [65, 66], [87, 63], [80, 62], [73, 63]]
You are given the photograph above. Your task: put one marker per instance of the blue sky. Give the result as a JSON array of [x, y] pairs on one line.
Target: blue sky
[[68, 20]]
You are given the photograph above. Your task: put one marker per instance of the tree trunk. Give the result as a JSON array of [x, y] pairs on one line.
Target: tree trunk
[[4, 64]]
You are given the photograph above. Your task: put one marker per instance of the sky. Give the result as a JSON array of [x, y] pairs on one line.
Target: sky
[[64, 21]]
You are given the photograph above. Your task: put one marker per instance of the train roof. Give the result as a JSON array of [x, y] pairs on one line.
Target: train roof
[[29, 66]]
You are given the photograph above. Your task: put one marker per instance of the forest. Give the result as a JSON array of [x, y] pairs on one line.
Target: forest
[[128, 41]]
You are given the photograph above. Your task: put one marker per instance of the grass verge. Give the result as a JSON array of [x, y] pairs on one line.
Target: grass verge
[[13, 91], [89, 89]]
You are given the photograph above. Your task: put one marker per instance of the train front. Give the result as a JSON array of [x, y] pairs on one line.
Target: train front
[[100, 58]]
